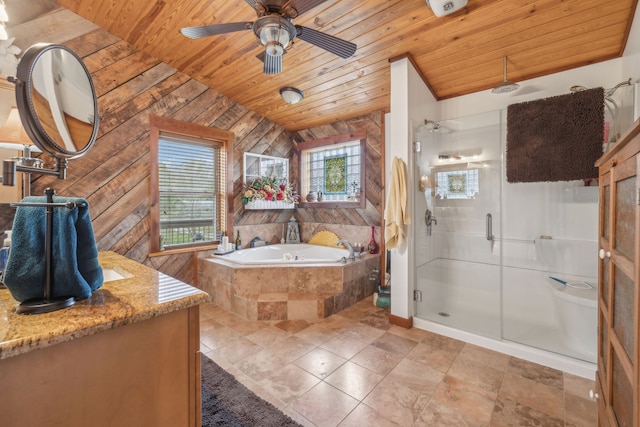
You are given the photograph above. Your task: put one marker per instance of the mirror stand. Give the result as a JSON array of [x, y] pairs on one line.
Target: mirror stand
[[46, 304], [10, 168]]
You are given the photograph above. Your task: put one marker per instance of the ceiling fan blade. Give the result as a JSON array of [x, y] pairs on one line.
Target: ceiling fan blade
[[257, 5], [215, 29], [301, 6], [342, 48], [251, 3], [272, 63]]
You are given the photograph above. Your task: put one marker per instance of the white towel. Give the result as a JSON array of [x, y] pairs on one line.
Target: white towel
[[396, 215]]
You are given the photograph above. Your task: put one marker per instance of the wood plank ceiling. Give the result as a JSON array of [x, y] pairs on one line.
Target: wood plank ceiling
[[457, 54]]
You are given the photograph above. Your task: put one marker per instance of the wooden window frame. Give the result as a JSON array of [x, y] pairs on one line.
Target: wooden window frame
[[190, 130], [327, 142]]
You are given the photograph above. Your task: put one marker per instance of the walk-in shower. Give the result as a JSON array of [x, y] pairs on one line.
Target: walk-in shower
[[493, 263]]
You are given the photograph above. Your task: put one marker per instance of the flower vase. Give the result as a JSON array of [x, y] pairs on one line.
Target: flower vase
[[373, 247]]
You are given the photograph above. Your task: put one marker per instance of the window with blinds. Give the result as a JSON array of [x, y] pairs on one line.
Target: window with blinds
[[191, 190], [191, 185]]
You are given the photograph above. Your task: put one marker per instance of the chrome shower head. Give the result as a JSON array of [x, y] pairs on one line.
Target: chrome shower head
[[431, 126]]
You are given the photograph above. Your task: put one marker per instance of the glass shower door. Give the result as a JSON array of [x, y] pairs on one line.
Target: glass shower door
[[457, 257]]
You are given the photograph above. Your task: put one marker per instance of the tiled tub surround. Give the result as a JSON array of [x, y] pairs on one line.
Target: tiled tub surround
[[286, 292]]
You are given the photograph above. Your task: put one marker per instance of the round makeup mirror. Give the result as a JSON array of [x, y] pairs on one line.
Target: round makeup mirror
[[57, 100]]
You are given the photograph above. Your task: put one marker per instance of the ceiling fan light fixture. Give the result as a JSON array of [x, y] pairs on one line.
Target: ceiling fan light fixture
[[275, 34], [505, 86], [291, 95]]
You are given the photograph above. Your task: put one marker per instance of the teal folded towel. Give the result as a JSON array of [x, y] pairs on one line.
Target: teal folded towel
[[75, 267]]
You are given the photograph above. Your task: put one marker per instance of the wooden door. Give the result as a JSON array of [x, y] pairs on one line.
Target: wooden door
[[618, 291]]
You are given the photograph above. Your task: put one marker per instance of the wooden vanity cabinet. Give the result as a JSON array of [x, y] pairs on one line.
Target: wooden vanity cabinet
[[618, 375]]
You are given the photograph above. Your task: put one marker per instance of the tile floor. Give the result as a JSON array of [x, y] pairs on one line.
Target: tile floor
[[356, 369]]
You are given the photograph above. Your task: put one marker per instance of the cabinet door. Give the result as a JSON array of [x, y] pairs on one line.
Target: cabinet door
[[618, 292]]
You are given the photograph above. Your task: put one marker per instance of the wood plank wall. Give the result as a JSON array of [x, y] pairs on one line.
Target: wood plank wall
[[114, 175]]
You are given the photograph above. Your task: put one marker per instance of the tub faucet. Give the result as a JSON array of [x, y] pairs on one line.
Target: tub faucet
[[352, 256]]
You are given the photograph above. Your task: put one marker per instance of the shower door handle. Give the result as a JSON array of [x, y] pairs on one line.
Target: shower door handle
[[489, 227]]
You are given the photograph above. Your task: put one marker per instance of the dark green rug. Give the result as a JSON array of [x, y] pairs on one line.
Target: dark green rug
[[226, 402]]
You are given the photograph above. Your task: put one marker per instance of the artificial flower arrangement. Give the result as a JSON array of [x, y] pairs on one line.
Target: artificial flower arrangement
[[270, 189]]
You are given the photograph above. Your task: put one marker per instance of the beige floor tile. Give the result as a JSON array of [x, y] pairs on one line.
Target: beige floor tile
[[457, 402], [317, 334], [435, 357], [248, 327], [363, 415], [336, 323], [237, 349], [227, 318], [292, 326], [578, 386], [485, 356], [260, 365], [378, 320], [376, 359], [440, 341], [397, 401], [324, 405], [320, 362], [484, 377], [289, 383], [354, 380], [268, 336], [420, 378], [414, 334], [215, 335], [508, 413], [541, 397], [345, 345], [395, 343], [580, 411], [535, 372], [364, 332], [405, 377], [290, 348]]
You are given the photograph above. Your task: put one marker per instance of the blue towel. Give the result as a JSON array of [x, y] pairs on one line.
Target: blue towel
[[75, 267]]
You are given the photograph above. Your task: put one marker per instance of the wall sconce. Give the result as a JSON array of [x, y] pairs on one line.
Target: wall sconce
[[425, 183], [291, 95]]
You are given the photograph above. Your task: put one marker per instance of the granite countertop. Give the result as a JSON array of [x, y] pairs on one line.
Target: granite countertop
[[138, 293]]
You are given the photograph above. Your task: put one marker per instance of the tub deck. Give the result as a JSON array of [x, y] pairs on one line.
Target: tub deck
[[292, 292]]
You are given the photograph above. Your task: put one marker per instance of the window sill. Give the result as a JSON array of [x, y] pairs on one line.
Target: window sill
[[207, 247], [265, 204], [333, 205]]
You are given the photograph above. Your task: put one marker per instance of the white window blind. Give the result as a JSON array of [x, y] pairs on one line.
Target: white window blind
[[191, 176]]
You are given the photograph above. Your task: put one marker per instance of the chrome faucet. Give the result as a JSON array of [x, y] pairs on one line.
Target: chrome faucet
[[352, 256]]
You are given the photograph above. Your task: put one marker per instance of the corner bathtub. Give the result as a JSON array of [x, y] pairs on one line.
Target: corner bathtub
[[287, 282], [298, 253]]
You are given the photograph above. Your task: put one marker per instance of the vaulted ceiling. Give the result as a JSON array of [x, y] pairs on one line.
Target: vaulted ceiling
[[456, 54]]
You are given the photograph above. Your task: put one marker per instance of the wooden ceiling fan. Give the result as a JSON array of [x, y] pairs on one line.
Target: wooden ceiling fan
[[276, 32]]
